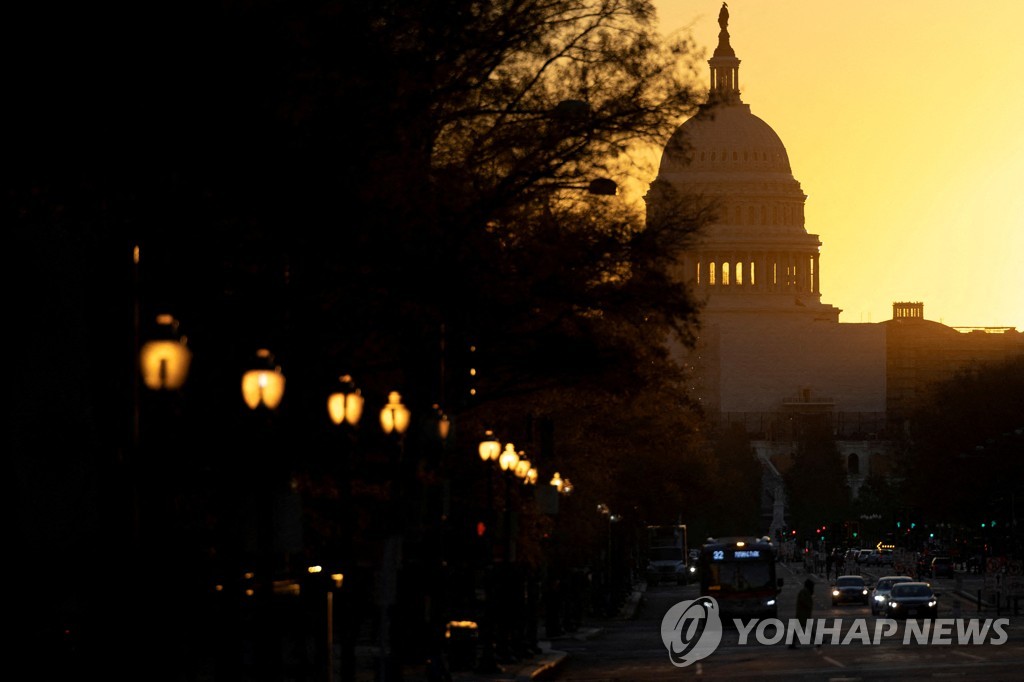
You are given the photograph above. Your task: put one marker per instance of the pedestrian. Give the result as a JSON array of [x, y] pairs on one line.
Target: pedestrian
[[804, 607]]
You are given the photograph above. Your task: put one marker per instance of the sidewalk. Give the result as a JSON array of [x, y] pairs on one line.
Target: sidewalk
[[548, 661]]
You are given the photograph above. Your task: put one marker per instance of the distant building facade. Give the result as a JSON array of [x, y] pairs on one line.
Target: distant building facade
[[769, 350]]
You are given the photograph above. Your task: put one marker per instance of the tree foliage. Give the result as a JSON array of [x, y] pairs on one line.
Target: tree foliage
[[377, 188], [965, 460], [816, 487]]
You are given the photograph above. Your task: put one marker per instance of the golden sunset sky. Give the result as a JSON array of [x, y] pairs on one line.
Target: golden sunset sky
[[904, 123]]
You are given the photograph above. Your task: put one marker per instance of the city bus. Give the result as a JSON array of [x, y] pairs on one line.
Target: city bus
[[739, 572]]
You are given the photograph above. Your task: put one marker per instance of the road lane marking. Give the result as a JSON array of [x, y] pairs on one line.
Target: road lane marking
[[971, 656], [829, 659]]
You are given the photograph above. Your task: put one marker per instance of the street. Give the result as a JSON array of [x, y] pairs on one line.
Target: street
[[633, 649]]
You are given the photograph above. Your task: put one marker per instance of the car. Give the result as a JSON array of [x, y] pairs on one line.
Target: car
[[941, 567], [849, 589], [878, 557], [879, 596], [912, 599]]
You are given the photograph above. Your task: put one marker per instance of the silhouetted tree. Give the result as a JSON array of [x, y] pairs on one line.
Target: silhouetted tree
[[877, 502], [964, 460], [347, 184], [736, 484], [816, 487]]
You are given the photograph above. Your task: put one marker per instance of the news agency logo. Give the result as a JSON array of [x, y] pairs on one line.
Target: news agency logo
[[691, 630]]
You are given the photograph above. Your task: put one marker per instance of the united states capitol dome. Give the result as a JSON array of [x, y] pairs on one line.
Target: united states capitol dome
[[724, 136], [727, 138], [753, 253]]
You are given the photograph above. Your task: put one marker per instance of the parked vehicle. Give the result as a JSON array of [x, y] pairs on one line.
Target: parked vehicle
[[941, 567], [666, 564], [912, 600], [879, 596], [849, 589], [876, 557]]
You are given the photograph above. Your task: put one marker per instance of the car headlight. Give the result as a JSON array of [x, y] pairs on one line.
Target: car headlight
[[835, 593], [693, 569], [893, 605], [770, 602], [879, 597], [864, 592], [932, 603]]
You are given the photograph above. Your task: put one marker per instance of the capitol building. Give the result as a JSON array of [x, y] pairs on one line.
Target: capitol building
[[770, 349]]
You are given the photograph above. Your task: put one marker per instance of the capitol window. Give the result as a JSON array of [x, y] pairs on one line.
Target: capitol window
[[853, 464]]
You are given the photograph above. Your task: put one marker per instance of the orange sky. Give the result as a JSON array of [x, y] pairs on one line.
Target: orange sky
[[903, 122]]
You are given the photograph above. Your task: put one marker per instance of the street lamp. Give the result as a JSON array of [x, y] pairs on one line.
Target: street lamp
[[394, 420], [509, 458], [490, 447], [394, 417], [165, 359], [264, 383], [562, 485], [444, 423], [489, 450], [345, 405], [523, 467]]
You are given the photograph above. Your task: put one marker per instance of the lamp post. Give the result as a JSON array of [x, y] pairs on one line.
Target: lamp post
[[508, 460], [345, 409], [262, 388], [394, 420], [489, 450], [608, 596], [556, 615], [163, 365]]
